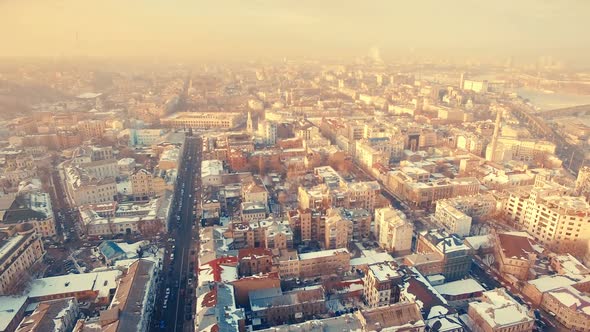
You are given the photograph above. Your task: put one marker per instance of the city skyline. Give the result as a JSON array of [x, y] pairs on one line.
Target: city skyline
[[236, 30]]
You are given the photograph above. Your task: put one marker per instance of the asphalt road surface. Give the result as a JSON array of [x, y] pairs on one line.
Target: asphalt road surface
[[173, 312]]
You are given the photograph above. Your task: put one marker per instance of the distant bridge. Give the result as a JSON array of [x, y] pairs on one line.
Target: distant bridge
[[533, 122], [573, 156], [580, 110]]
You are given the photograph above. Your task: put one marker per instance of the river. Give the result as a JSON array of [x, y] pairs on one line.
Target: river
[[548, 101]]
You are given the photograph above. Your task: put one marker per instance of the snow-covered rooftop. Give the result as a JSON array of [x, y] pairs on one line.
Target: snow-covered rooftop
[[500, 310], [465, 286]]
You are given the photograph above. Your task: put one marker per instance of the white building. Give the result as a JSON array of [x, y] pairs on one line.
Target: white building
[[555, 219], [211, 172], [498, 312], [145, 137], [393, 231], [452, 219], [20, 249], [268, 131], [86, 189], [198, 120], [128, 218]]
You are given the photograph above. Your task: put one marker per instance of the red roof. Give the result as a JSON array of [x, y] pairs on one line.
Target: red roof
[[216, 265], [210, 299], [251, 253], [516, 246], [270, 276]]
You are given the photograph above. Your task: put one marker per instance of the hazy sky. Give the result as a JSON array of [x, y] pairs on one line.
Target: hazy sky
[[251, 28]]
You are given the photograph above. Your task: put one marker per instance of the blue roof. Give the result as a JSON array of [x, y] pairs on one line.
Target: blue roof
[[111, 250]]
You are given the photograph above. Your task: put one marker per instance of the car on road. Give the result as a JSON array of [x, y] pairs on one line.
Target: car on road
[[167, 290], [172, 256]]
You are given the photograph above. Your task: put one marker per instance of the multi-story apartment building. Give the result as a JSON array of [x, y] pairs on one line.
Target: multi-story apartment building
[[307, 225], [145, 137], [15, 176], [142, 185], [86, 189], [511, 148], [455, 254], [20, 249], [556, 220], [334, 191], [570, 307], [199, 120], [361, 221], [88, 154], [253, 211], [268, 131], [133, 301], [367, 155], [277, 234], [338, 230], [398, 317], [126, 166], [324, 262], [55, 315], [91, 128], [253, 261], [32, 207], [502, 180], [514, 253], [452, 219], [393, 231], [378, 150], [254, 190], [271, 307], [477, 207], [498, 312], [420, 193], [361, 195], [262, 233], [100, 169], [382, 285], [110, 219]]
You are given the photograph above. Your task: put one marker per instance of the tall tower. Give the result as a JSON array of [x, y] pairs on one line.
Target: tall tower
[[582, 186], [249, 126], [462, 81], [491, 151]]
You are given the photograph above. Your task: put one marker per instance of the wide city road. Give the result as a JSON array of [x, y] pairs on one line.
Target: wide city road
[[176, 292]]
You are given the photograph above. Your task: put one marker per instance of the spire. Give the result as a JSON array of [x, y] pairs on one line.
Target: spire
[[249, 126], [490, 155]]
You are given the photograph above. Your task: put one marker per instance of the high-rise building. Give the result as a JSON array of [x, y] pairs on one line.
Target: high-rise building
[[268, 131], [393, 231], [555, 219]]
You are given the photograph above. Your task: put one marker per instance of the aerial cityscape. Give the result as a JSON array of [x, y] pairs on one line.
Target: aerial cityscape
[[274, 168]]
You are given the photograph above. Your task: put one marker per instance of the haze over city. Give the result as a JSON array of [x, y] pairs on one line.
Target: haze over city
[[233, 29], [286, 166]]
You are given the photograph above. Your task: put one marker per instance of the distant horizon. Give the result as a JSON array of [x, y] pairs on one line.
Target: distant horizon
[[232, 29]]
